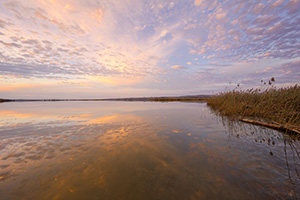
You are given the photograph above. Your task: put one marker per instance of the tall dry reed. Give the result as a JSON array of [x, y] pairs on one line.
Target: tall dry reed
[[279, 106]]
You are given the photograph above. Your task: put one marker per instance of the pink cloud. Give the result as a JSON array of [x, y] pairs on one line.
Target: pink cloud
[[177, 67]]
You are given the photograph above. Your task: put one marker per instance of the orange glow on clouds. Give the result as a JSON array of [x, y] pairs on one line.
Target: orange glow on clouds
[[117, 81], [98, 14], [17, 87], [86, 47]]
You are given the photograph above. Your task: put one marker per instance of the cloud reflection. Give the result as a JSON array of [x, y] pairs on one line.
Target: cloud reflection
[[142, 151]]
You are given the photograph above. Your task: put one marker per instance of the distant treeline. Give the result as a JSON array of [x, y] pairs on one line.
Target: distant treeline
[[180, 98], [5, 100]]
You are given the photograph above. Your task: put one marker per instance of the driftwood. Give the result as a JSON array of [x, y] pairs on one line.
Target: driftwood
[[274, 126]]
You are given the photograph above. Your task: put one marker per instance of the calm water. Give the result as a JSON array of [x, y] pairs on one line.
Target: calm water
[[140, 150]]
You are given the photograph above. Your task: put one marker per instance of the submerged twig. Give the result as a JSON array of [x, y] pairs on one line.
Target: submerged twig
[[274, 126]]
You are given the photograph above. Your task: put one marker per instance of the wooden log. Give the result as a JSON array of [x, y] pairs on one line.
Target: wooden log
[[274, 126]]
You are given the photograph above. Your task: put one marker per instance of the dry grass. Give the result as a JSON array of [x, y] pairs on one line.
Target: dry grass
[[277, 106]]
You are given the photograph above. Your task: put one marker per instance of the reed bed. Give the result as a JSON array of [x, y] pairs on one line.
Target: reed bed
[[277, 106]]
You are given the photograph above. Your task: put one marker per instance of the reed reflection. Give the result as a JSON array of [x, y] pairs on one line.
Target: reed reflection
[[280, 145]]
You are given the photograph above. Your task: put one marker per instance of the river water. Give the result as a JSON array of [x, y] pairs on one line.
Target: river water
[[140, 150]]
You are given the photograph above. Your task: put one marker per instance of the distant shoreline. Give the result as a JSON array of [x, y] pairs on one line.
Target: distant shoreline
[[191, 98]]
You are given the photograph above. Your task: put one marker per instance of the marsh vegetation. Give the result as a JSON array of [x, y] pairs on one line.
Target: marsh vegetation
[[277, 106]]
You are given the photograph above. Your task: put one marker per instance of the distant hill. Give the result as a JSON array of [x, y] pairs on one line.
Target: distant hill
[[199, 96], [166, 98]]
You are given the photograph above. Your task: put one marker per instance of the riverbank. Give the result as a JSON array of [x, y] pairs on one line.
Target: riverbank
[[190, 98], [273, 106]]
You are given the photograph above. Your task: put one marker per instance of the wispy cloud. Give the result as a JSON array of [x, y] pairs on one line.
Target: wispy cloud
[[76, 34], [248, 31], [131, 43]]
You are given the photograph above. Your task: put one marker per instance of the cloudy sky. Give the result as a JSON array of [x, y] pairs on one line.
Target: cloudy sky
[[123, 48]]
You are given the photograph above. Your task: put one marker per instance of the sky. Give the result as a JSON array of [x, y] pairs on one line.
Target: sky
[[143, 48]]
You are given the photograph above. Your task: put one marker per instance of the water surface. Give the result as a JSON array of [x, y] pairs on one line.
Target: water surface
[[140, 150]]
